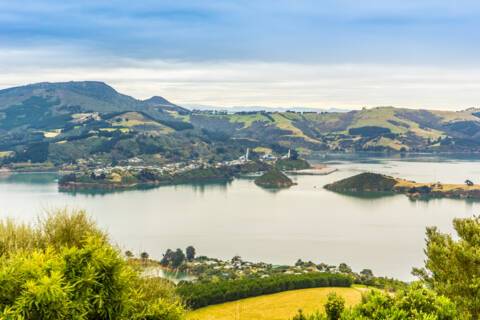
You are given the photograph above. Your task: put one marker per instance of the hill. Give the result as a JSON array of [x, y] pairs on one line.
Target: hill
[[374, 182], [274, 179], [364, 182], [281, 306], [90, 122]]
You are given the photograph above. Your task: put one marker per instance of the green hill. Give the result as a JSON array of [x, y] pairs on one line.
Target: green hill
[[90, 121], [274, 179], [364, 182]]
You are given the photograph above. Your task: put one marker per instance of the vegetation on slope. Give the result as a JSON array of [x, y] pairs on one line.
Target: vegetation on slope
[[274, 178], [292, 164], [374, 182], [416, 302], [364, 182], [77, 122], [64, 268]]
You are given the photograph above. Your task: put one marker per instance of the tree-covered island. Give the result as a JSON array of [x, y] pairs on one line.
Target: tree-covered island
[[379, 183]]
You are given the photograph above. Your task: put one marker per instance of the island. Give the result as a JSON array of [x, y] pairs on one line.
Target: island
[[122, 178], [274, 179], [119, 177], [374, 182]]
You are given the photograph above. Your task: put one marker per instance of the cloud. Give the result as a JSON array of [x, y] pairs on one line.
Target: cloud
[[270, 30], [345, 53], [252, 82]]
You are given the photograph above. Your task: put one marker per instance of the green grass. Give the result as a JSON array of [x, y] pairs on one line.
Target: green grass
[[247, 119], [4, 154], [380, 117], [278, 306], [284, 123]]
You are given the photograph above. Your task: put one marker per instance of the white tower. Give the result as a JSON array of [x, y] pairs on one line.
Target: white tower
[[247, 154]]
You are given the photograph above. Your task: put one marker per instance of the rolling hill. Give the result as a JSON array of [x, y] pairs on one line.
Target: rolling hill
[[90, 121]]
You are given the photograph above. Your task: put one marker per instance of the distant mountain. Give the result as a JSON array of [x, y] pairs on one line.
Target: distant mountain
[[90, 121], [92, 96], [233, 109]]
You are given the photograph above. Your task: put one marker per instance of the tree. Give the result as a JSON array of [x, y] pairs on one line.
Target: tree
[[366, 276], [452, 266], [178, 258], [334, 306], [344, 268], [144, 256], [129, 254], [167, 258], [190, 252]]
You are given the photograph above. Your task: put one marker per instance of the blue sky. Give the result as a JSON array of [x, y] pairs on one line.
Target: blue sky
[[291, 49]]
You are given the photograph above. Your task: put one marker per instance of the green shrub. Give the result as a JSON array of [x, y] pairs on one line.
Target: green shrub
[[334, 306], [64, 268]]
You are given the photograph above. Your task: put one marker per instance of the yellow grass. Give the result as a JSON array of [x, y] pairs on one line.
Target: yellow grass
[[133, 119], [386, 142], [248, 119], [380, 116], [277, 306], [52, 134], [262, 150], [285, 124], [435, 186], [4, 154]]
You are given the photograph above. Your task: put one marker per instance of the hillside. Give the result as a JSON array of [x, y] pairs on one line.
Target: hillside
[[364, 182], [281, 306], [90, 122], [375, 182], [274, 179]]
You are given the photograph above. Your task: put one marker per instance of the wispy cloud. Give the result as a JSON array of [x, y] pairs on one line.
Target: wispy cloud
[[252, 82], [272, 52]]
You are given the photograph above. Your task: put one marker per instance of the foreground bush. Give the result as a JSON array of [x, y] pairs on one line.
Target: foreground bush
[[452, 267], [415, 302], [201, 294], [64, 268]]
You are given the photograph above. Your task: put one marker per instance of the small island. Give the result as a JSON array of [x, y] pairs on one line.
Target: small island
[[374, 182], [274, 179], [133, 177]]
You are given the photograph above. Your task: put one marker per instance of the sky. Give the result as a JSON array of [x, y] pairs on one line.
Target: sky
[[344, 53]]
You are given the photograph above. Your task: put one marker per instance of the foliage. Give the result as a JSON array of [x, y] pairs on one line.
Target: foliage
[[368, 131], [274, 178], [452, 266], [201, 294], [64, 268], [334, 306], [190, 253], [173, 259], [416, 302], [366, 181], [292, 164]]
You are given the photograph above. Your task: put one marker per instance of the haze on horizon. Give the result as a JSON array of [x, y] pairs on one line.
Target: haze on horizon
[[343, 54]]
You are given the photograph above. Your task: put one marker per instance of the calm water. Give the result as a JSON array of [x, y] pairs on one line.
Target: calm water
[[385, 234]]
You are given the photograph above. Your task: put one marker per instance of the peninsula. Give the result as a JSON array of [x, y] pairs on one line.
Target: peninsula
[[374, 182]]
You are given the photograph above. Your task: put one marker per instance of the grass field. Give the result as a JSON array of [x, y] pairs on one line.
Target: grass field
[[4, 154], [277, 306]]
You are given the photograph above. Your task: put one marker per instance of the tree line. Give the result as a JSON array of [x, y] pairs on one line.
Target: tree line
[[200, 294]]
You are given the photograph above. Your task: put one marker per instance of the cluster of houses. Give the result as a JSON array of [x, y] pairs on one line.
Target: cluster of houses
[[203, 267]]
